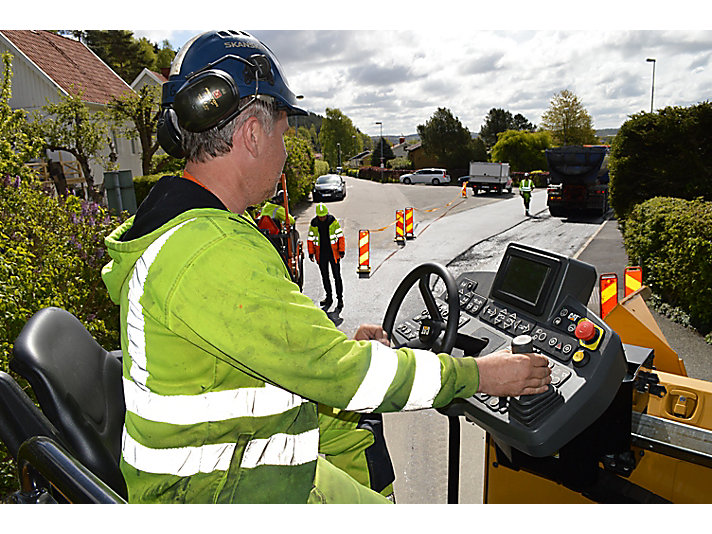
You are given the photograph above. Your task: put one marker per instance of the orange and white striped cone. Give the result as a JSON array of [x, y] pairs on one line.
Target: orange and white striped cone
[[609, 293], [409, 223], [633, 279], [464, 190], [400, 231], [364, 266]]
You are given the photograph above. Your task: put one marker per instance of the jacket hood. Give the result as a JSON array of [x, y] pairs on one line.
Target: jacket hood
[[125, 254]]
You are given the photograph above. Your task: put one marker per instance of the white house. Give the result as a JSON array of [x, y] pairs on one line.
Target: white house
[[46, 65]]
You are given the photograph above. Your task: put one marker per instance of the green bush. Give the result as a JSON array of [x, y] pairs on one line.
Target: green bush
[[672, 240], [321, 167], [667, 153], [51, 254], [299, 168]]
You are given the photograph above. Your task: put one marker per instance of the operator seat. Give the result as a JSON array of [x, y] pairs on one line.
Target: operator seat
[[79, 388]]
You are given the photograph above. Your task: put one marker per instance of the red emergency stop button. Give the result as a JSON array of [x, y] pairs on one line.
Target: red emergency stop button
[[585, 330]]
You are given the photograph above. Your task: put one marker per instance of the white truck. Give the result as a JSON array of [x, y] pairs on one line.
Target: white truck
[[485, 176]]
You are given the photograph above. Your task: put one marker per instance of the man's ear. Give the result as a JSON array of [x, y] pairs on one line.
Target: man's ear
[[250, 135]]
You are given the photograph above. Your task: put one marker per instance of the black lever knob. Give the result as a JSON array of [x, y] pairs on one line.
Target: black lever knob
[[521, 344]]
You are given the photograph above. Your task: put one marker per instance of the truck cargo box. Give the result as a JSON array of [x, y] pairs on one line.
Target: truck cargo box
[[578, 164]]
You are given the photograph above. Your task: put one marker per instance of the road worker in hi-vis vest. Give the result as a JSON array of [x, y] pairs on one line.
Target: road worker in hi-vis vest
[[526, 186], [225, 361], [326, 245]]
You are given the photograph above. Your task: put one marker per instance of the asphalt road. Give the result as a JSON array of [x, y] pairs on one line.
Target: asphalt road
[[465, 234]]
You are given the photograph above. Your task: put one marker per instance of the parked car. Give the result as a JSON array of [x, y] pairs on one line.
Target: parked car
[[426, 176], [329, 186]]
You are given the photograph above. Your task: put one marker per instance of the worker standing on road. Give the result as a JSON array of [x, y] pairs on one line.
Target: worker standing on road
[[224, 359], [326, 243], [526, 186]]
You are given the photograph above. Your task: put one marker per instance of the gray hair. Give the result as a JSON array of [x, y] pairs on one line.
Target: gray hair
[[216, 142]]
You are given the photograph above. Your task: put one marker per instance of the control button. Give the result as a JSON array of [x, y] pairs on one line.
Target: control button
[[585, 330], [580, 358], [557, 321], [564, 312], [553, 341], [567, 348]]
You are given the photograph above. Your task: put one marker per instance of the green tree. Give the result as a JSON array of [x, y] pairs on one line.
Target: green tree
[[18, 144], [568, 120], [499, 120], [68, 125], [444, 137], [119, 49], [136, 115], [381, 144], [337, 129], [667, 153], [524, 151], [164, 55], [520, 122]]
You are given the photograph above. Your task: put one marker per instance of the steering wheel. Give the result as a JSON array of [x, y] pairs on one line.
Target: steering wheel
[[430, 327]]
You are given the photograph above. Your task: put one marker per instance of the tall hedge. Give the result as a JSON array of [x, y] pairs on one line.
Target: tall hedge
[[667, 153], [51, 254], [672, 240]]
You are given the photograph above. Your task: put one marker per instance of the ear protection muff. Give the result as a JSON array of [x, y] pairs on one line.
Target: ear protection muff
[[208, 99], [168, 133]]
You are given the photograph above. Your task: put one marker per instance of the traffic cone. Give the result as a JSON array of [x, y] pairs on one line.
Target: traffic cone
[[400, 233], [409, 223], [364, 267], [633, 279], [464, 190], [609, 293]]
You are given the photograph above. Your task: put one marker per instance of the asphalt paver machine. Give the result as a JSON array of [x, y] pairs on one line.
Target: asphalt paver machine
[[620, 423]]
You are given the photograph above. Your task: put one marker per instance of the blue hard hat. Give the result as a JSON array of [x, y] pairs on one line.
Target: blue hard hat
[[210, 75]]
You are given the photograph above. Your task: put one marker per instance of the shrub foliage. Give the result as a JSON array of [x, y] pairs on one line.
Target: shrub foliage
[[672, 240], [668, 153], [51, 254]]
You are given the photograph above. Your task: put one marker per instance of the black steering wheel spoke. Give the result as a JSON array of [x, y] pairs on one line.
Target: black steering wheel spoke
[[438, 332]]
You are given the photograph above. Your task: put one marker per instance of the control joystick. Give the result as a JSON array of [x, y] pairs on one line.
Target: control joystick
[[522, 344]]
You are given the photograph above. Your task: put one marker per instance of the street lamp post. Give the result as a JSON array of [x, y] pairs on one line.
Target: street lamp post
[[381, 125], [338, 145], [652, 90]]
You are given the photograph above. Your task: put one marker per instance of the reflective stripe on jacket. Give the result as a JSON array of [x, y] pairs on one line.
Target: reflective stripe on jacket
[[526, 185], [221, 352], [336, 237]]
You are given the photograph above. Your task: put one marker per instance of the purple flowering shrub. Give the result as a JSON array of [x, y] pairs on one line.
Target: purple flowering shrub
[[51, 254]]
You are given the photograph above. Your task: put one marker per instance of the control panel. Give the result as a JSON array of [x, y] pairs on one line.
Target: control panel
[[537, 299]]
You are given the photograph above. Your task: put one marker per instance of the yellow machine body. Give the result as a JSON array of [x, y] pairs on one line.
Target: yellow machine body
[[687, 401]]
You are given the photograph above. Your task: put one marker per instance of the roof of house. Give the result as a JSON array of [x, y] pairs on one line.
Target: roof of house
[[157, 77], [69, 64]]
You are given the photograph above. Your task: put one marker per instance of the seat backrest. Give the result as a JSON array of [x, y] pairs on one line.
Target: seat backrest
[[78, 386]]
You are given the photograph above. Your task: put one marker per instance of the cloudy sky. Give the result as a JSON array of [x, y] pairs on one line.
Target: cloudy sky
[[402, 77], [429, 54]]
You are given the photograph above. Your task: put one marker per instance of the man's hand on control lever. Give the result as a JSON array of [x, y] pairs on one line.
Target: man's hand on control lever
[[507, 375]]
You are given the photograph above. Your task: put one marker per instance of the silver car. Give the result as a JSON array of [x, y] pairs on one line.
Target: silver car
[[426, 176]]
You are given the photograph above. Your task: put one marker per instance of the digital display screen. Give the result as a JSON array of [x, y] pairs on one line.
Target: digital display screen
[[524, 279]]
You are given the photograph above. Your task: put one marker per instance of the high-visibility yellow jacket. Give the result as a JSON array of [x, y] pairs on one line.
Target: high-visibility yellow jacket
[[224, 360], [336, 238]]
